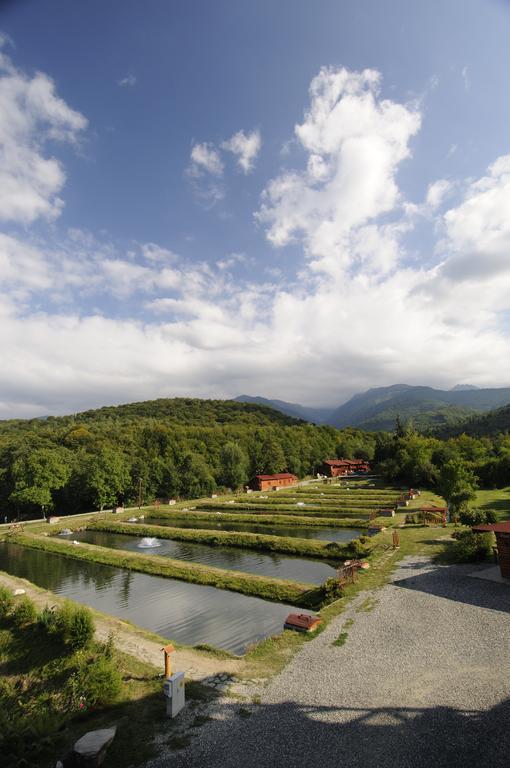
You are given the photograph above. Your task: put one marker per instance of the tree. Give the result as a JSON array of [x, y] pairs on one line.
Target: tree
[[196, 477], [458, 485], [37, 475], [234, 466], [106, 476]]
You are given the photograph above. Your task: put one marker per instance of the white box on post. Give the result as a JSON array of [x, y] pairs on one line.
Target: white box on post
[[173, 688]]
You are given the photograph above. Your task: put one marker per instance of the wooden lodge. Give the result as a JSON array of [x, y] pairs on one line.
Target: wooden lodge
[[342, 467], [272, 482], [502, 531]]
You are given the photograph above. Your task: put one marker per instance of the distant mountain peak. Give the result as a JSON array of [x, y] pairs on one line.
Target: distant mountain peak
[[463, 388]]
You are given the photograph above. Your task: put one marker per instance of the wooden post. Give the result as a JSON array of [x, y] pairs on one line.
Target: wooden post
[[396, 539], [167, 650]]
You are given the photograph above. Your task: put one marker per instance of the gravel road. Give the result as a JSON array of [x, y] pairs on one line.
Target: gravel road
[[422, 680]]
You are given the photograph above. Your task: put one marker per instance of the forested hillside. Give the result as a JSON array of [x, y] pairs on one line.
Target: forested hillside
[[487, 424], [175, 447]]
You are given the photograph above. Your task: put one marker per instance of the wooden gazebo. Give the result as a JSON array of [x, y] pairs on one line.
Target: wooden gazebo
[[502, 531]]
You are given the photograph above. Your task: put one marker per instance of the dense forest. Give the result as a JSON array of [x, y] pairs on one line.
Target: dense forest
[[163, 448], [189, 448]]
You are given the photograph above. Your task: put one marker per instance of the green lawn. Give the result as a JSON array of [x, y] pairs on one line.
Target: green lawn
[[498, 499]]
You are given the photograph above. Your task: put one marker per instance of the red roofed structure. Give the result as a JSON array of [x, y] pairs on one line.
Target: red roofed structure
[[502, 531], [341, 467], [272, 482]]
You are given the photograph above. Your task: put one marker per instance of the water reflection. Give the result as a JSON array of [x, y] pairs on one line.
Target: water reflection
[[231, 558], [186, 613], [301, 532]]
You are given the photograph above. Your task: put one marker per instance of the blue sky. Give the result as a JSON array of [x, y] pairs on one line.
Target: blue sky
[[292, 199]]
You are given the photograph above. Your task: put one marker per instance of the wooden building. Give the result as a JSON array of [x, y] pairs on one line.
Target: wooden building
[[342, 467], [502, 531], [272, 482]]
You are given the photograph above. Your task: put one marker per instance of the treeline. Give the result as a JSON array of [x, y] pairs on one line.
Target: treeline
[[166, 448]]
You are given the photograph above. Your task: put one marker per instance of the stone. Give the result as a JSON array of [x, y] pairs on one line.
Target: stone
[[90, 750], [19, 592]]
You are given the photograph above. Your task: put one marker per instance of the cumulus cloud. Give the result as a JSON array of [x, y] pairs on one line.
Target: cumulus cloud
[[355, 142], [355, 312], [245, 147], [31, 113]]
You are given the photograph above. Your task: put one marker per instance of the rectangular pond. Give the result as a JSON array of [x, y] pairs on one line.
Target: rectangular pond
[[247, 560], [186, 613], [299, 532]]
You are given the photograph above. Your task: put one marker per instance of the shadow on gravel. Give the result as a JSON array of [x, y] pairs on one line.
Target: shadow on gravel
[[294, 736], [454, 583]]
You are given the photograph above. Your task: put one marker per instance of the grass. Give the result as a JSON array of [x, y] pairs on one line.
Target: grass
[[261, 542], [342, 637], [35, 670], [316, 511], [279, 590], [496, 499], [257, 519]]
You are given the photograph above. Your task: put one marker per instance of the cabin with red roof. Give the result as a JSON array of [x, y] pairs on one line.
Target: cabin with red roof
[[342, 467], [272, 482]]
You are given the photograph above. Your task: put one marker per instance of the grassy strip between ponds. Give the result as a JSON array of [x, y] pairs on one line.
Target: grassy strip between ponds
[[288, 510], [257, 519], [319, 501], [279, 590], [327, 550]]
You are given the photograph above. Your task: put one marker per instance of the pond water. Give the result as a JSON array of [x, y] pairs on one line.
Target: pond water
[[299, 532], [186, 613], [232, 558]]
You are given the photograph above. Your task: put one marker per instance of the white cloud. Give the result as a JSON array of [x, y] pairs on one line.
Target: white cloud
[[465, 78], [355, 142], [205, 158], [437, 192], [246, 147], [128, 82], [30, 114]]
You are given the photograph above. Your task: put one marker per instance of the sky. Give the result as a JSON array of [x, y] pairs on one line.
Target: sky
[[288, 199]]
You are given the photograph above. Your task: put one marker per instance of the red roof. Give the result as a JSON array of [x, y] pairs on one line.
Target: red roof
[[496, 527], [301, 621], [337, 462], [279, 476]]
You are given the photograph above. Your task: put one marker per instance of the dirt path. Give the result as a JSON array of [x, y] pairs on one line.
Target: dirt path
[[196, 665]]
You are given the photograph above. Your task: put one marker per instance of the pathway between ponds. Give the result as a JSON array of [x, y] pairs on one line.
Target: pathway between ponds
[[422, 680]]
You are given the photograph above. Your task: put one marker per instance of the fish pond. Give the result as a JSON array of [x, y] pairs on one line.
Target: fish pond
[[232, 558], [298, 532], [187, 613]]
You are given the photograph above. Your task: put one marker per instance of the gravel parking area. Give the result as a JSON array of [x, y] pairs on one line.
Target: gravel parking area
[[423, 679]]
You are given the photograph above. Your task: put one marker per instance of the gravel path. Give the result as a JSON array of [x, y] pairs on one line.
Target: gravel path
[[422, 680]]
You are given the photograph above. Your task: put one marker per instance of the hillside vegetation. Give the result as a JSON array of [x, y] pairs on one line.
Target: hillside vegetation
[[162, 448]]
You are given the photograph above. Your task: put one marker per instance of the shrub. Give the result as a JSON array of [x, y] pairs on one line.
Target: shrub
[[6, 601], [74, 624], [331, 589], [24, 612], [48, 620], [95, 683], [470, 547], [477, 516]]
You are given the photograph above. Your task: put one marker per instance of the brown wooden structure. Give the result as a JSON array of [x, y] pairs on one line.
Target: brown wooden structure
[[343, 467], [502, 531], [272, 482]]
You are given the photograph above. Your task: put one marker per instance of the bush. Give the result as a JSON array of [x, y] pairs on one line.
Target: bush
[[24, 612], [6, 601], [477, 516], [331, 589], [74, 624], [95, 683], [470, 547], [48, 620]]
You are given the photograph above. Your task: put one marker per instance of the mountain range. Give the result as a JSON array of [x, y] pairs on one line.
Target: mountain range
[[378, 408]]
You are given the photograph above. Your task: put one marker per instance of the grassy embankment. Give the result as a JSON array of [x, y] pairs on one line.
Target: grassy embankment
[[279, 590], [329, 550], [315, 511], [496, 499], [43, 712], [165, 513]]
